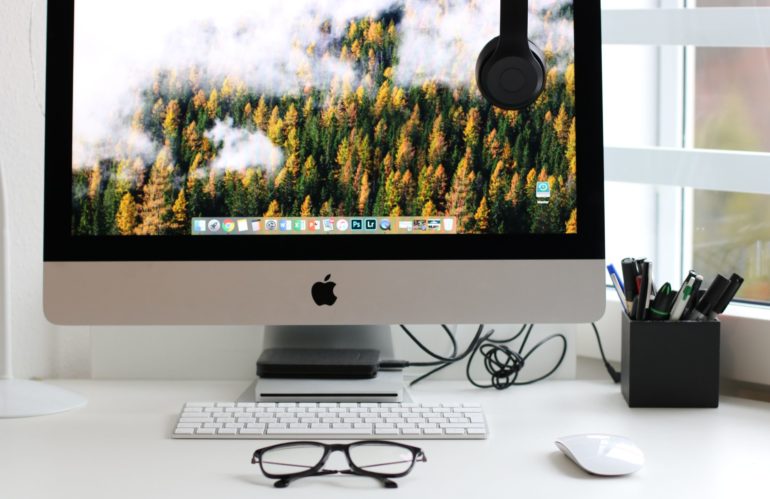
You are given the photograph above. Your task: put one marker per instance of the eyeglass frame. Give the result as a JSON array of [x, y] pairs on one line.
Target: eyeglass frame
[[284, 481]]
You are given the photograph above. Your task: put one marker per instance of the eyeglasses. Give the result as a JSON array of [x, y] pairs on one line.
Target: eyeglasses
[[374, 458]]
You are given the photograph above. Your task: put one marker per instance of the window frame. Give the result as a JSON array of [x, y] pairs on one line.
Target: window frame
[[676, 28]]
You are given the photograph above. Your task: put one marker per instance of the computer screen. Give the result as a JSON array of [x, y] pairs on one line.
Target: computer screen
[[315, 118], [214, 162]]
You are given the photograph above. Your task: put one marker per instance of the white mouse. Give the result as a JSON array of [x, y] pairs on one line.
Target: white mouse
[[605, 455]]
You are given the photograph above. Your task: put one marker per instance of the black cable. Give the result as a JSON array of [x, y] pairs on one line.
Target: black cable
[[503, 364], [614, 374]]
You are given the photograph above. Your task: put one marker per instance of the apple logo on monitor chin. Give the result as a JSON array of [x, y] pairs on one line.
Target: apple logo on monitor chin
[[323, 292]]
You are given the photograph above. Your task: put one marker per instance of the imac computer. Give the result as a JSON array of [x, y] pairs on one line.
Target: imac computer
[[315, 164]]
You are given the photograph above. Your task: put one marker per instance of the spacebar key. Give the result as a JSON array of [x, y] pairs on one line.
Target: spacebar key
[[318, 431]]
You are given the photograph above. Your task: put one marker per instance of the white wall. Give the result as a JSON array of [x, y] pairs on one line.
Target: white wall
[[44, 350], [40, 349]]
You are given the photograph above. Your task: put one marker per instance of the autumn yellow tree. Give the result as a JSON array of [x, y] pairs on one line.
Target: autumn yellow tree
[[155, 197], [125, 220], [171, 121], [181, 220], [307, 208], [482, 216], [274, 210], [572, 226]]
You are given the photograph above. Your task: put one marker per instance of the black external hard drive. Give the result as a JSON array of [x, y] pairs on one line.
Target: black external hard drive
[[318, 364]]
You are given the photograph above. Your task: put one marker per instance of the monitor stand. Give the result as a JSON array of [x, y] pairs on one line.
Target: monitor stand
[[386, 387]]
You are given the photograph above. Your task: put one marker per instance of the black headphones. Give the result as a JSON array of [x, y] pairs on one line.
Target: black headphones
[[510, 71]]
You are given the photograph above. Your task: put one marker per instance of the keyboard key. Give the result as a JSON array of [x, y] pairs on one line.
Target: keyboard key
[[455, 431], [386, 431], [327, 432], [206, 431], [196, 420], [184, 431], [227, 431]]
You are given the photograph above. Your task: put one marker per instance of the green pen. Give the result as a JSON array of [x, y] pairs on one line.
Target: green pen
[[660, 309], [683, 297]]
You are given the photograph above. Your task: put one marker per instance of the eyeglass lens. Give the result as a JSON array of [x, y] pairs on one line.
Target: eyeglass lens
[[372, 457]]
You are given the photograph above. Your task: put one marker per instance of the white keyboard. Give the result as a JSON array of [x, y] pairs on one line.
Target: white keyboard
[[331, 421]]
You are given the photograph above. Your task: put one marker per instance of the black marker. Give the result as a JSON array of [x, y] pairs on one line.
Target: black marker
[[695, 296], [736, 282], [645, 291], [706, 305], [630, 272]]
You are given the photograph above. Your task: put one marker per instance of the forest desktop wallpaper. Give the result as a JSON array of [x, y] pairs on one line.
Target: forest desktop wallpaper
[[300, 108]]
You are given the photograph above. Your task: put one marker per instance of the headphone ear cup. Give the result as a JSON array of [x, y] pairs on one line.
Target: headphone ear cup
[[485, 60], [484, 57], [540, 58]]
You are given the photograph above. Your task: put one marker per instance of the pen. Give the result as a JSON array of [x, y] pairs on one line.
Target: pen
[[736, 282], [682, 298], [618, 285], [660, 309], [630, 271], [694, 297], [706, 304], [644, 291]]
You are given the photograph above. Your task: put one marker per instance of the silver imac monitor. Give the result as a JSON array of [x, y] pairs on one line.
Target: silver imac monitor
[[318, 162]]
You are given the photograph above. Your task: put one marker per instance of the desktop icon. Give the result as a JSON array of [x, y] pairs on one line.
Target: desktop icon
[[314, 226], [228, 226], [420, 225], [543, 190], [370, 224], [328, 225], [357, 224], [271, 225], [434, 225], [385, 225], [406, 225], [343, 225], [449, 224], [285, 225], [200, 226], [300, 225], [214, 225], [243, 225], [256, 225]]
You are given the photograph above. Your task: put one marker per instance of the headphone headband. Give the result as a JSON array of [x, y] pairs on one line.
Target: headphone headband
[[514, 24]]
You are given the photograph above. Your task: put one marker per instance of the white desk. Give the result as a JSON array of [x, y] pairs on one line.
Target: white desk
[[119, 447]]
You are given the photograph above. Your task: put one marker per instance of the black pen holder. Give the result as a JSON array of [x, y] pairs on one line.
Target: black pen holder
[[670, 364]]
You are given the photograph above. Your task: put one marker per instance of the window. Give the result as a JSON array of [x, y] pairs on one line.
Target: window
[[688, 158]]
